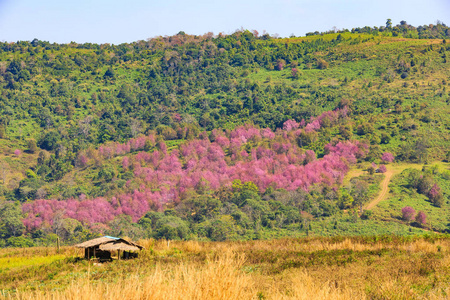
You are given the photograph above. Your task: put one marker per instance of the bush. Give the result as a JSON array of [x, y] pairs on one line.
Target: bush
[[421, 218], [408, 213], [19, 242], [32, 145], [387, 157], [382, 169], [322, 64], [366, 214], [435, 195]]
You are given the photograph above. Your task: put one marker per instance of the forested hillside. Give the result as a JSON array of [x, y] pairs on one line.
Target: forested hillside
[[240, 136]]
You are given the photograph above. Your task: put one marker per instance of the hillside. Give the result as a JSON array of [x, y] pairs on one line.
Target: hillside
[[236, 136]]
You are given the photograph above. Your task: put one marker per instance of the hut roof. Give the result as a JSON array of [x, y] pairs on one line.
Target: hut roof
[[112, 242], [97, 242], [119, 246]]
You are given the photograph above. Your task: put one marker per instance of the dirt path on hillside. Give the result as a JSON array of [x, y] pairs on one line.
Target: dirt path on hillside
[[384, 190], [392, 169]]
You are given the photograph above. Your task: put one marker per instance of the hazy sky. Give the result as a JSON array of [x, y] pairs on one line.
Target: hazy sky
[[113, 21]]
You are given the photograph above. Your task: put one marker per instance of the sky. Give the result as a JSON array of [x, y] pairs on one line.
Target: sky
[[115, 22]]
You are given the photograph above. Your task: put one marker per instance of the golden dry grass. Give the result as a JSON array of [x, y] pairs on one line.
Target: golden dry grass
[[311, 268]]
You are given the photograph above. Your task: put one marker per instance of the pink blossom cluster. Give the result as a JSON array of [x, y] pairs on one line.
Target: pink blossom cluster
[[116, 149], [326, 119], [351, 151], [42, 213], [167, 177]]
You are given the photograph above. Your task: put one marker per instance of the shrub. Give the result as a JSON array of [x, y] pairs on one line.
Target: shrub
[[295, 73], [387, 157], [435, 195], [382, 169], [421, 218], [408, 213], [366, 214], [322, 64], [19, 242], [32, 146]]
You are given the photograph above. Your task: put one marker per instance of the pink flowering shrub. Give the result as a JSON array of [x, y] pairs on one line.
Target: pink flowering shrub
[[382, 169], [421, 218], [435, 195], [387, 157], [408, 213], [17, 152]]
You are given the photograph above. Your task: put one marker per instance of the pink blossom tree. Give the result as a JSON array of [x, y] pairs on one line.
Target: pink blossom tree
[[387, 157]]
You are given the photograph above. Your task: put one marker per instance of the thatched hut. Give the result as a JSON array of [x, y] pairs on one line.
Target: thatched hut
[[103, 246]]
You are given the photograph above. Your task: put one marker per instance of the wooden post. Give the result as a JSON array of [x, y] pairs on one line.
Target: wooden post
[[118, 254], [57, 244]]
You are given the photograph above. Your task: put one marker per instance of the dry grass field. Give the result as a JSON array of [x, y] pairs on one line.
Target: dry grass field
[[313, 268]]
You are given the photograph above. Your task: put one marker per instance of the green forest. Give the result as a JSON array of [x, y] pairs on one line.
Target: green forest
[[226, 137]]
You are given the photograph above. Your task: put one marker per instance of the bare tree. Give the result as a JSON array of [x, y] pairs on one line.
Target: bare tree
[[135, 127], [41, 193], [4, 170], [85, 126]]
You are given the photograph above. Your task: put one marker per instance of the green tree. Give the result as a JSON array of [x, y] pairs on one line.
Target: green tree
[[389, 24], [222, 228], [50, 140], [109, 74], [10, 220], [171, 228], [360, 193]]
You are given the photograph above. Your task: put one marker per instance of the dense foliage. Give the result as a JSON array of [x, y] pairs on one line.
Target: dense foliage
[[230, 135]]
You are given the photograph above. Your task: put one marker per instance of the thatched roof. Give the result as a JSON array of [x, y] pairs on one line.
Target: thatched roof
[[96, 242], [110, 243], [119, 246]]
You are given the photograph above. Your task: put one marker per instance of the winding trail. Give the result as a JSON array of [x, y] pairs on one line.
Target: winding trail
[[384, 190], [392, 169]]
